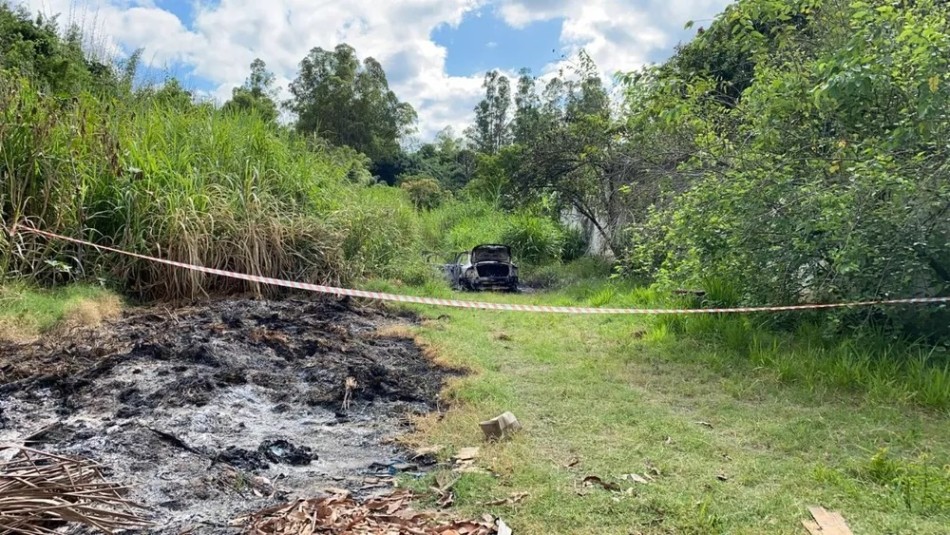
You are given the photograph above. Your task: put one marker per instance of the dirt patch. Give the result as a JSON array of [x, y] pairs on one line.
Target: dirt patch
[[216, 410]]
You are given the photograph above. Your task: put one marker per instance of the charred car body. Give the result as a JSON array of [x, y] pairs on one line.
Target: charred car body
[[486, 267]]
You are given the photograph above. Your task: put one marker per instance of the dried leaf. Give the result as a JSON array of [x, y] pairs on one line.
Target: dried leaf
[[447, 499], [636, 478], [341, 513]]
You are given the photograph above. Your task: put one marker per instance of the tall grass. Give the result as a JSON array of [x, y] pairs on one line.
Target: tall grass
[[187, 183]]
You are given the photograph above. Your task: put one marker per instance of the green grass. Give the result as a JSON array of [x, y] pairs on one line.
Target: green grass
[[27, 312], [627, 395]]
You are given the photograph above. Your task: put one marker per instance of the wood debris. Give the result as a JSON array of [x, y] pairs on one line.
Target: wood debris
[[339, 513], [40, 491], [826, 523]]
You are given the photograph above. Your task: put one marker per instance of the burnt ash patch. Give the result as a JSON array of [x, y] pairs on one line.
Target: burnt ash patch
[[188, 405]]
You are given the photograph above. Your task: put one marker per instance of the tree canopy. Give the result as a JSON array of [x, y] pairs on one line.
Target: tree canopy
[[257, 95], [348, 102]]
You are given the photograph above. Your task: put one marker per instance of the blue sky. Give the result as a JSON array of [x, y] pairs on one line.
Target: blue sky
[[483, 41], [435, 52]]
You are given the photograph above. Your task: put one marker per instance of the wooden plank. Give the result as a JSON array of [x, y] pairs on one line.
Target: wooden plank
[[812, 527], [826, 523]]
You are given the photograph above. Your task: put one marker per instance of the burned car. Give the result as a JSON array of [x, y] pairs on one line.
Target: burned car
[[486, 267]]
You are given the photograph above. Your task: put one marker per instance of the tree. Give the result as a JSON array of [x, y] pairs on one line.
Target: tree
[[491, 131], [446, 159], [347, 102], [257, 94], [173, 94], [526, 125], [424, 191], [34, 49]]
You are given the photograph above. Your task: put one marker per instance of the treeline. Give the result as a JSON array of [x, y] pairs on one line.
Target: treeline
[[794, 151]]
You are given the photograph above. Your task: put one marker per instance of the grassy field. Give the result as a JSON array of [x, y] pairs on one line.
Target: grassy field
[[26, 312], [733, 444], [736, 428]]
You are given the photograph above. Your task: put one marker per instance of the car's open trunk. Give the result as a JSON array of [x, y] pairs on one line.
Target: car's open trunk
[[491, 253], [493, 270]]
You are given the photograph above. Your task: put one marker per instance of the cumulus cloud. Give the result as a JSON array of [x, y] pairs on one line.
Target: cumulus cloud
[[222, 39], [618, 34]]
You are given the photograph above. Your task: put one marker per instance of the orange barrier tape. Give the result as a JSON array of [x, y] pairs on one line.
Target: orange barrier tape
[[378, 296]]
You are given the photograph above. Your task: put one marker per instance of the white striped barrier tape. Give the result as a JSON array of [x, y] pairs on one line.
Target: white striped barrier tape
[[378, 296]]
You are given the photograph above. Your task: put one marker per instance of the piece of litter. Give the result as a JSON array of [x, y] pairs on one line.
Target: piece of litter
[[428, 450], [500, 426], [466, 454], [502, 528], [826, 523]]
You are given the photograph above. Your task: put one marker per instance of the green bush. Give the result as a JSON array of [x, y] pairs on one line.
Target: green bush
[[533, 239], [425, 192], [816, 183]]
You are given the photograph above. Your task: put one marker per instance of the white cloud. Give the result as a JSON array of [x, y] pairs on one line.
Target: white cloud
[[618, 34], [224, 37]]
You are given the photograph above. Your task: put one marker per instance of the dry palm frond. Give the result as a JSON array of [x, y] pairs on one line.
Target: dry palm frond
[[40, 491]]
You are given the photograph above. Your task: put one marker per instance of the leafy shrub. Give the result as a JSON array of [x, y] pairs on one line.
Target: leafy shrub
[[840, 196], [545, 277], [533, 239], [425, 192], [381, 231]]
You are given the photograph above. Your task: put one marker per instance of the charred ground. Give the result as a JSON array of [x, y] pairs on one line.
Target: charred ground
[[214, 410]]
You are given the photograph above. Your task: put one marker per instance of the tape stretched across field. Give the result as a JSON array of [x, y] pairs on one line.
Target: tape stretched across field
[[378, 296]]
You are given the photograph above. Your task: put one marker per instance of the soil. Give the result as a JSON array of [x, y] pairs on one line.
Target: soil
[[213, 411]]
